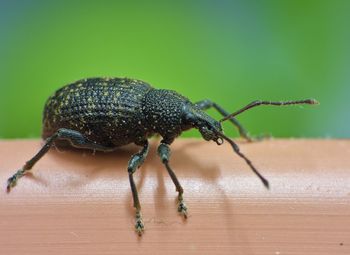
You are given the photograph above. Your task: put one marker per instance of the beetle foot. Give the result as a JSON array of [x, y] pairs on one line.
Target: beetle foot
[[12, 181], [182, 208], [139, 226]]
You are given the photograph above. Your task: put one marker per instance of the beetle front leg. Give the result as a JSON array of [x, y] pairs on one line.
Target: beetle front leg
[[206, 104], [134, 163], [164, 154]]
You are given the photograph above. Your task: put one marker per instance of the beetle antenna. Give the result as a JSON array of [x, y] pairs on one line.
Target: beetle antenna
[[258, 102], [239, 153]]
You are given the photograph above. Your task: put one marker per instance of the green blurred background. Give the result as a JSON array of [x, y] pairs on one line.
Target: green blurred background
[[232, 52]]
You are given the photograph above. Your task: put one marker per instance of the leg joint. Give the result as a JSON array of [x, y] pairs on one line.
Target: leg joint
[[131, 170], [164, 152]]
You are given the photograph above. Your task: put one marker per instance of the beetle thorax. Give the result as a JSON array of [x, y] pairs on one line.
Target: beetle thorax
[[163, 111]]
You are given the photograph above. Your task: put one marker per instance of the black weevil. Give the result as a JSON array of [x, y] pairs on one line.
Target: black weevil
[[105, 113]]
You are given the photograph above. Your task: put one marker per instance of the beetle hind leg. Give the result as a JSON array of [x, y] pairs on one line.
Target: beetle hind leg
[[12, 181], [74, 137], [164, 154]]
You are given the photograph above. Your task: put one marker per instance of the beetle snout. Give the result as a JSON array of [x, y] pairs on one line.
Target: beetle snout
[[210, 132]]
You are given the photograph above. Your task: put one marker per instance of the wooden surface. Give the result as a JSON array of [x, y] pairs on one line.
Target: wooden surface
[[78, 203]]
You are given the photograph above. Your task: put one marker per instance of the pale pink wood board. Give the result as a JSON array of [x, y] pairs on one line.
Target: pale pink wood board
[[79, 203]]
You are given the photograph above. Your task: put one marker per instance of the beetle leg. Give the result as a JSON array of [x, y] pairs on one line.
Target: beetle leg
[[74, 137], [134, 163], [206, 104], [164, 154], [79, 141]]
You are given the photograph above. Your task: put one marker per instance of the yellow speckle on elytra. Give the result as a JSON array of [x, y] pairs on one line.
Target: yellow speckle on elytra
[[106, 93], [91, 106]]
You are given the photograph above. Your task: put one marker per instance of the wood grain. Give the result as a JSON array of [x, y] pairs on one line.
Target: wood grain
[[75, 202]]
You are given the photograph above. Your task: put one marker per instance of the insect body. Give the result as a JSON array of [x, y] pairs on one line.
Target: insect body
[[106, 113]]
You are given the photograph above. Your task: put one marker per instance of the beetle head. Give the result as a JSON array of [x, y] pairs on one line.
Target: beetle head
[[207, 126]]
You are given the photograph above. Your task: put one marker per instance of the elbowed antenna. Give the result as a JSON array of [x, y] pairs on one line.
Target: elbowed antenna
[[258, 102], [239, 153]]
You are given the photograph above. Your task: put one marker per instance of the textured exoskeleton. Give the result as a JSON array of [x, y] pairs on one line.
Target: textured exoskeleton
[[106, 113]]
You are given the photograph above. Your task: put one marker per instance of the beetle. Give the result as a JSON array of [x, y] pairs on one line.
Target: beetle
[[105, 113]]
